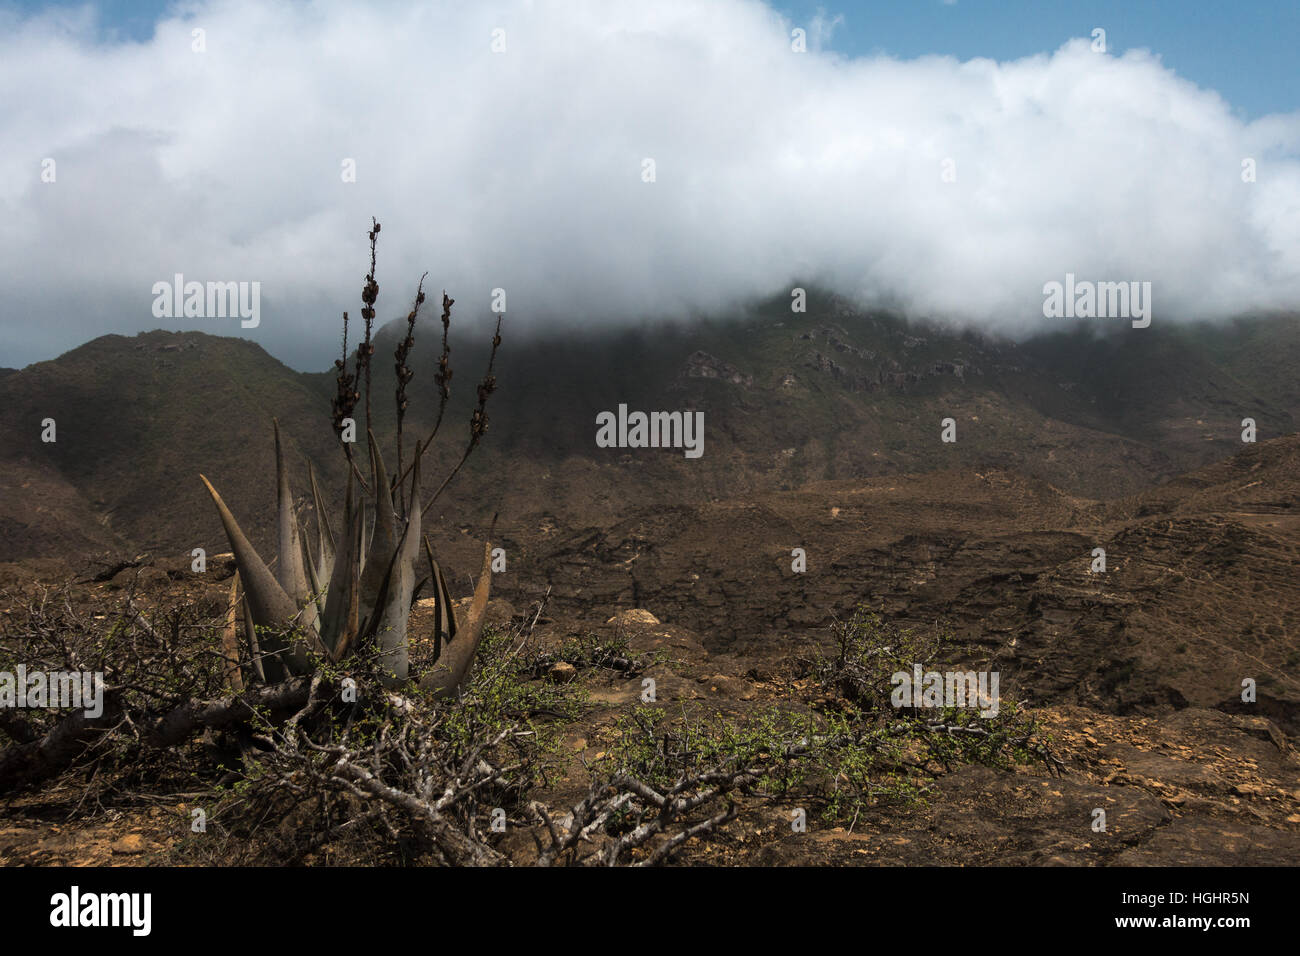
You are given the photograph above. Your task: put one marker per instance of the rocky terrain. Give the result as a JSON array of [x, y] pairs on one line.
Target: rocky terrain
[[1195, 786], [1135, 673], [823, 447]]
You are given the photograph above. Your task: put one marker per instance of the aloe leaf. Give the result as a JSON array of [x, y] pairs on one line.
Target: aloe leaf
[[349, 623], [324, 533], [266, 670], [341, 592], [444, 624], [383, 546], [448, 673], [314, 580], [290, 573], [230, 639], [367, 534], [392, 625], [270, 606]]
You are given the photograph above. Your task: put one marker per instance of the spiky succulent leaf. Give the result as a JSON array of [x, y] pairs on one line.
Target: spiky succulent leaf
[[396, 609], [382, 548], [290, 572], [230, 638], [350, 625], [444, 615], [340, 598], [270, 606], [267, 670], [324, 533], [314, 579], [448, 673]]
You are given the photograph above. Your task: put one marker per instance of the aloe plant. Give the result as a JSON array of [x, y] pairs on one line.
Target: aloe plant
[[356, 590]]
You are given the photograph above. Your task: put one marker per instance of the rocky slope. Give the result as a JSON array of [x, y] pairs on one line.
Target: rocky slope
[[788, 399]]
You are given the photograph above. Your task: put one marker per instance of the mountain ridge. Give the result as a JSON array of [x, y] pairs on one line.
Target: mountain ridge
[[788, 399]]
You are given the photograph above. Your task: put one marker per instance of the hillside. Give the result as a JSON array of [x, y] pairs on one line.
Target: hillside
[[835, 394], [822, 434], [1199, 592], [137, 419]]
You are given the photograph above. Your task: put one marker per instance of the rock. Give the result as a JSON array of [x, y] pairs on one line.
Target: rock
[[562, 672], [146, 577], [678, 640], [635, 616], [129, 845], [1196, 841], [732, 687], [704, 365]]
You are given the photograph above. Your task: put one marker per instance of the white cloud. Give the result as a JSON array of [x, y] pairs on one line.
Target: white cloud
[[523, 170]]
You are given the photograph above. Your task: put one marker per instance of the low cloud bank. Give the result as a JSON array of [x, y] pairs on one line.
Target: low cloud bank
[[953, 190]]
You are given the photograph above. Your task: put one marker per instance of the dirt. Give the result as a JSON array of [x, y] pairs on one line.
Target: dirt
[[1136, 672]]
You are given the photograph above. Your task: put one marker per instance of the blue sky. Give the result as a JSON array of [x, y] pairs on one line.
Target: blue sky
[[1244, 50]]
